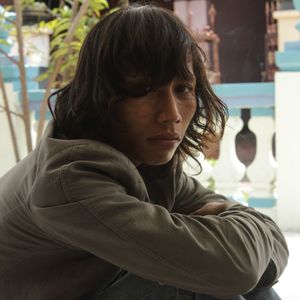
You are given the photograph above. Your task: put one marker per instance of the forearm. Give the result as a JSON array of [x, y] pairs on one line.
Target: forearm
[[275, 266], [259, 228], [222, 255]]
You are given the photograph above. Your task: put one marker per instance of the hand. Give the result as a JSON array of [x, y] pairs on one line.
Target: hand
[[212, 208]]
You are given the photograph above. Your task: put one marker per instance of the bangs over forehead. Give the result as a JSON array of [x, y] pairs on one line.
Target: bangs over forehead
[[149, 48]]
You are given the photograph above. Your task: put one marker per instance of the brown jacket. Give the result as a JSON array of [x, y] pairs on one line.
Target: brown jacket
[[74, 213]]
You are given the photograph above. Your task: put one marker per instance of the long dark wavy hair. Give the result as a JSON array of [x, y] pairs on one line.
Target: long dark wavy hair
[[140, 41]]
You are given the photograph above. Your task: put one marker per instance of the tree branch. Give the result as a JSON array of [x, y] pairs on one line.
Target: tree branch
[[83, 8], [4, 109], [25, 100], [9, 57], [74, 8], [9, 118]]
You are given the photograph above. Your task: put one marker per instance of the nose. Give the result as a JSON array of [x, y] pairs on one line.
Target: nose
[[168, 111]]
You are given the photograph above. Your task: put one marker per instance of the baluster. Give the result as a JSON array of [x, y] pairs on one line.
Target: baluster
[[262, 170], [192, 169], [228, 170]]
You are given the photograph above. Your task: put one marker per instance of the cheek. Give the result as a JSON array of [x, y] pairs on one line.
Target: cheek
[[193, 109], [124, 115], [134, 121], [188, 112], [134, 111]]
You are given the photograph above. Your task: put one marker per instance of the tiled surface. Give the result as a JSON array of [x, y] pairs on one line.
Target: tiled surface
[[288, 286]]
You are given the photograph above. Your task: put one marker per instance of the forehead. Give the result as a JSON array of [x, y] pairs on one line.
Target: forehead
[[140, 79], [184, 71]]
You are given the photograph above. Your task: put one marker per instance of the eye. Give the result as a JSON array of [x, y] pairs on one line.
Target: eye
[[137, 85], [185, 88], [138, 89]]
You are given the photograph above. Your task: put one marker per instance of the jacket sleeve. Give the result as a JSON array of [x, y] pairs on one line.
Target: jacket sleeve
[[191, 195], [96, 205]]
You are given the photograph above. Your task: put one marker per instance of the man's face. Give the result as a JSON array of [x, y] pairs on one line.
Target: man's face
[[154, 125]]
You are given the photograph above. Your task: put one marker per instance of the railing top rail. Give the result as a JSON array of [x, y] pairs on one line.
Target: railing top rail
[[246, 95]]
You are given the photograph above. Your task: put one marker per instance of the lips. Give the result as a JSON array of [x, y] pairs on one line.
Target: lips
[[166, 141], [168, 136]]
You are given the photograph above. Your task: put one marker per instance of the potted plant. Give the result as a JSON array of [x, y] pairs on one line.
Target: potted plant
[[34, 12]]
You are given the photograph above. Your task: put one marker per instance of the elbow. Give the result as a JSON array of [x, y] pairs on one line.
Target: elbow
[[242, 283], [236, 282], [241, 275]]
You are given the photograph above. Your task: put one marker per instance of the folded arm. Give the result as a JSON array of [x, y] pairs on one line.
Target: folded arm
[[243, 218], [103, 212]]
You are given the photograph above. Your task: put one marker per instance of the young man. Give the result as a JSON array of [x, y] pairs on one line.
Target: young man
[[101, 208]]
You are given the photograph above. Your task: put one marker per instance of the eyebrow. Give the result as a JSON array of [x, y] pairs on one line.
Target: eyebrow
[[136, 79], [190, 77]]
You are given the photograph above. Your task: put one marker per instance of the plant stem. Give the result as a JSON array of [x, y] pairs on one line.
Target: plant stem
[[21, 65], [83, 8], [9, 119], [75, 8], [11, 112], [9, 57]]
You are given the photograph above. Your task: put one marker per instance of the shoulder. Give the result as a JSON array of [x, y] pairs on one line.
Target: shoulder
[[59, 153], [74, 169]]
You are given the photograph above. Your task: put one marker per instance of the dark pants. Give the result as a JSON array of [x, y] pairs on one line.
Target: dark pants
[[131, 287]]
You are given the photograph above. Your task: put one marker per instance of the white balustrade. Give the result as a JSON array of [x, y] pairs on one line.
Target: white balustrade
[[262, 171], [228, 170], [192, 169]]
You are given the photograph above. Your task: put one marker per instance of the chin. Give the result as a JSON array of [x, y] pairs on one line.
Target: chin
[[158, 162]]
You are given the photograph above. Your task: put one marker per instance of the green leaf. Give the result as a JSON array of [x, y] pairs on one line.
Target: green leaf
[[76, 46], [70, 64], [57, 41], [4, 42], [60, 52], [43, 76], [99, 4], [9, 8], [61, 27]]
